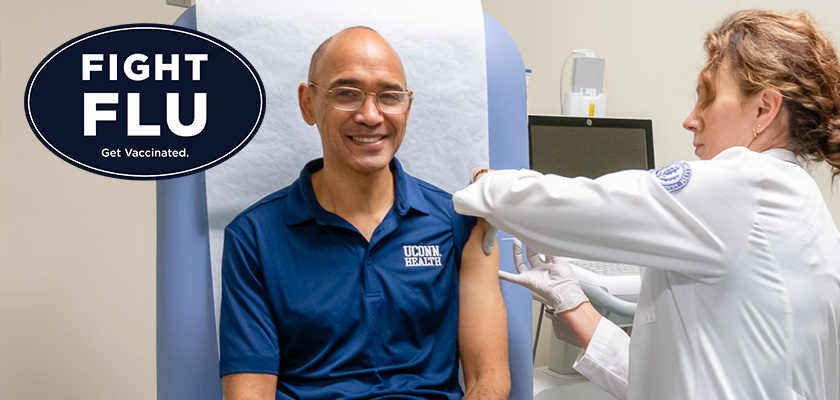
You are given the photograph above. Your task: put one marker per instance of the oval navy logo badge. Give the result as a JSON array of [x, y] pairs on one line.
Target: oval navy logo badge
[[674, 176], [144, 101]]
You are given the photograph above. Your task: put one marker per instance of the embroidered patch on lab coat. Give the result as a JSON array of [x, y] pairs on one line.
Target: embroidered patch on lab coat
[[674, 176]]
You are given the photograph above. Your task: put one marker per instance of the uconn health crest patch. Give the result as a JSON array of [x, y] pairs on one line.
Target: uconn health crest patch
[[673, 177]]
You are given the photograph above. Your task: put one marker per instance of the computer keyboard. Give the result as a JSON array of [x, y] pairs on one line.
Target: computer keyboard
[[606, 268]]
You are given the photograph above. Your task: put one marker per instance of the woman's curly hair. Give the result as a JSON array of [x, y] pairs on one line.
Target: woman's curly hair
[[788, 52]]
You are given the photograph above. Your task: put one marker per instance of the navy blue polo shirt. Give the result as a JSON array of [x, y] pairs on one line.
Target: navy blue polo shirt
[[306, 297]]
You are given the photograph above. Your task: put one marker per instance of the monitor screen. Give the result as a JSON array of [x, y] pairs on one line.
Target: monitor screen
[[589, 146]]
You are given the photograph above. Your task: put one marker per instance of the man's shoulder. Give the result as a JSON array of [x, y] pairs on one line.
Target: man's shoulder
[[432, 192], [268, 208], [440, 204]]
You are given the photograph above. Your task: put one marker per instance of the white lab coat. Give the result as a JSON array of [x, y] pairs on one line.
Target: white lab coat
[[740, 294]]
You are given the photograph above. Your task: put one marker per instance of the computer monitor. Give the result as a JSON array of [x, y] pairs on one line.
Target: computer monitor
[[589, 146]]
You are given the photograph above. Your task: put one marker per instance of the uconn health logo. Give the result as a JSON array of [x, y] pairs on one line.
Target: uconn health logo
[[674, 176], [422, 256], [144, 101]]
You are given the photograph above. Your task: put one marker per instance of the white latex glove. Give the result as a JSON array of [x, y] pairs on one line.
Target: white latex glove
[[552, 279], [489, 239], [490, 236]]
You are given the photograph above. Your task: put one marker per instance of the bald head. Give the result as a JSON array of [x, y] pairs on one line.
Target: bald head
[[356, 137], [354, 36]]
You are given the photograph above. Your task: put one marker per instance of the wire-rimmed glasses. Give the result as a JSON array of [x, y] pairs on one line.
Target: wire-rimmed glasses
[[345, 98]]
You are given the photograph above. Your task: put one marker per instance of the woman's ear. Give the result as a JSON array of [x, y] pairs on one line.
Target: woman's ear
[[769, 102]]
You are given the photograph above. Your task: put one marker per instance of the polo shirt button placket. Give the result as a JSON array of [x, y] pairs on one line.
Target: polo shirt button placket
[[372, 290]]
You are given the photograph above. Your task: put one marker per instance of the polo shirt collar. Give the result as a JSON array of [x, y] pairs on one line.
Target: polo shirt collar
[[302, 205]]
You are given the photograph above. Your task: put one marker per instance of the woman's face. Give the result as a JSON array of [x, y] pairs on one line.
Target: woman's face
[[726, 122]]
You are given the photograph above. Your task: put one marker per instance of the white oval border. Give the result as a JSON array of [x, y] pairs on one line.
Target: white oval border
[[247, 138]]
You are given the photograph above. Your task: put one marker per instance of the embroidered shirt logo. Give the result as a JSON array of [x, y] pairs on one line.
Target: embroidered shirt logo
[[422, 256], [674, 176]]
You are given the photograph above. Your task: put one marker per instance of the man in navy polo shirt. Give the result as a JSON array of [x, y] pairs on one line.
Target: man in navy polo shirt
[[359, 281]]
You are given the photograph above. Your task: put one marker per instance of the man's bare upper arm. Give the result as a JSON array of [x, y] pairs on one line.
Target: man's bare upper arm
[[482, 322], [248, 386]]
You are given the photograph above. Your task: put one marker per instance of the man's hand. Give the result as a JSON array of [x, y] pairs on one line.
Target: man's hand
[[552, 279]]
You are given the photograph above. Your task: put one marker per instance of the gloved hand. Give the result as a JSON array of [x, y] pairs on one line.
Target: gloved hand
[[552, 279], [490, 236], [489, 239]]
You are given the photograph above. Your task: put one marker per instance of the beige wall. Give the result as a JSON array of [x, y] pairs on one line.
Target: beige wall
[[77, 250], [653, 51]]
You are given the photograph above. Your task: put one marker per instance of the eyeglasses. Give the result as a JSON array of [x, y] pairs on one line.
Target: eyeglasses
[[351, 99]]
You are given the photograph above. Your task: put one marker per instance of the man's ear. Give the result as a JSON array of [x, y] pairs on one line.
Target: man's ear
[[305, 101], [769, 104], [409, 105]]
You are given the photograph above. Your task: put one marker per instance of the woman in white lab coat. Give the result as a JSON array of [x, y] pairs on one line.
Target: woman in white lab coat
[[740, 295]]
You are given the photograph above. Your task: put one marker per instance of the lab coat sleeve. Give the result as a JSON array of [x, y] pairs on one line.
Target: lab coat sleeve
[[625, 217], [607, 358]]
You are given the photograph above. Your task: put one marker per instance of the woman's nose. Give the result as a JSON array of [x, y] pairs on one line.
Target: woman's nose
[[691, 122]]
